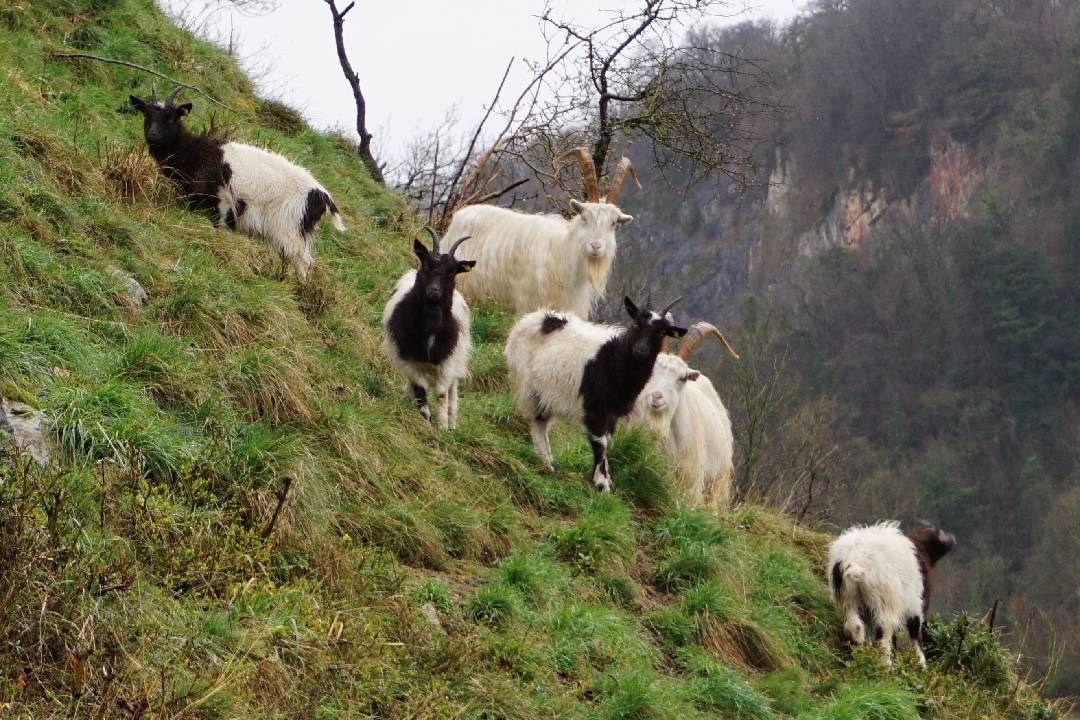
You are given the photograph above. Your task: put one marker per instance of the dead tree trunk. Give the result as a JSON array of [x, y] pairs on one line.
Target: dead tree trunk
[[364, 149]]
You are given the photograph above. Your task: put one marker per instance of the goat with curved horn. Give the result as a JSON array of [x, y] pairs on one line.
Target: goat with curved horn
[[682, 405], [622, 170], [694, 335]]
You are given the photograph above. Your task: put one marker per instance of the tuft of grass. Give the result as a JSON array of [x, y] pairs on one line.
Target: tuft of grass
[[602, 537], [867, 701], [492, 605], [720, 689]]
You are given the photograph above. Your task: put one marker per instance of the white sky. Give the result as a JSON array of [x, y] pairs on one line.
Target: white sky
[[416, 58]]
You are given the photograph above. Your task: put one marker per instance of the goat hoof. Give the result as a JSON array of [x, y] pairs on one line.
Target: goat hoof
[[603, 486]]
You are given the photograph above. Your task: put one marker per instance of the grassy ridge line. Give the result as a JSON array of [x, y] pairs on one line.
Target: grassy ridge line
[[413, 573]]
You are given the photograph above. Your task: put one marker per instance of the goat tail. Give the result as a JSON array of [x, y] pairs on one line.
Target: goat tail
[[854, 574], [335, 216]]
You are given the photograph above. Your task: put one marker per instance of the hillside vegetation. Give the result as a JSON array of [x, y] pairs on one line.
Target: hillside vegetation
[[247, 518]]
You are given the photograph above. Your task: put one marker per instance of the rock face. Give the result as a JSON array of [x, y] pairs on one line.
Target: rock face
[[28, 428]]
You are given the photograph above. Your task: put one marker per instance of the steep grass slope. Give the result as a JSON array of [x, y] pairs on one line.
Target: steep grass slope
[[248, 519]]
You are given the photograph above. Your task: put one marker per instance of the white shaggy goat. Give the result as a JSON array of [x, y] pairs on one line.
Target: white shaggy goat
[[426, 329], [683, 407], [880, 580], [545, 261], [563, 366], [255, 191]]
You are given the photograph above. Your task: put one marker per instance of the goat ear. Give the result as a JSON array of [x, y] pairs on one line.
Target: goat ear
[[137, 103], [624, 219], [420, 250], [577, 206], [631, 308], [675, 331], [182, 110], [465, 266]]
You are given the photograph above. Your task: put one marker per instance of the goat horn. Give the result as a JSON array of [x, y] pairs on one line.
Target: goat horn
[[694, 335], [172, 95], [624, 168], [434, 239], [671, 304], [456, 243], [153, 92], [665, 345], [588, 171]]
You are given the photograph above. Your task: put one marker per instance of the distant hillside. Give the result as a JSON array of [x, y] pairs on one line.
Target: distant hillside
[[245, 516], [914, 252]]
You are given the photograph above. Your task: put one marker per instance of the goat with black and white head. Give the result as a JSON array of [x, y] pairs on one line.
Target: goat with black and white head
[[563, 366], [255, 191], [880, 580], [426, 329]]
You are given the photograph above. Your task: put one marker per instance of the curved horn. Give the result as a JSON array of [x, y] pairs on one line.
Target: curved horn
[[588, 171], [172, 95], [456, 243], [665, 345], [434, 239], [624, 168], [671, 304], [153, 92], [694, 335]]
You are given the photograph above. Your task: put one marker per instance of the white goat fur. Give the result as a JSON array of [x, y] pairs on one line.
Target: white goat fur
[[881, 573], [695, 428], [526, 262], [275, 192], [441, 379], [552, 365]]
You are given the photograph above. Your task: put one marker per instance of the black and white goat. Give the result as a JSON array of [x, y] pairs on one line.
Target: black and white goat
[[253, 190], [426, 329], [563, 366], [880, 581]]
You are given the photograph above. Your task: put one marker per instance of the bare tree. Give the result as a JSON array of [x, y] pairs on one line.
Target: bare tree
[[637, 75], [364, 148]]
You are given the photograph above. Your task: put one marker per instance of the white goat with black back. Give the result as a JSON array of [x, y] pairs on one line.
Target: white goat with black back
[[255, 191], [529, 262], [426, 329], [683, 407], [880, 580], [563, 366]]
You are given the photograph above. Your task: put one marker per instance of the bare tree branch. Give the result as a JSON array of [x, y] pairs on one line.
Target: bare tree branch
[[364, 148]]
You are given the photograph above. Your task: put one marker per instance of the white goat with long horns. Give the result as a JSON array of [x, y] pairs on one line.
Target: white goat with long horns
[[683, 407], [526, 262]]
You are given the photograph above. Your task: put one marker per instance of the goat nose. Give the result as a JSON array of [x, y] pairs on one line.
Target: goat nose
[[657, 395]]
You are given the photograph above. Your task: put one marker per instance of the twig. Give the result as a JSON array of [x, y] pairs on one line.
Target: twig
[[993, 616], [281, 495], [125, 63]]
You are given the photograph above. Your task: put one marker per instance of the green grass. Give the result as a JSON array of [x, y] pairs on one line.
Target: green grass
[[248, 518]]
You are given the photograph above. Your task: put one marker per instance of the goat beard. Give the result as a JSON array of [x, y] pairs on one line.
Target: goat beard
[[597, 271], [658, 423]]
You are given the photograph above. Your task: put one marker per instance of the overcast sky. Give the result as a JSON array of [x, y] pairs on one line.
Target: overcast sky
[[415, 58]]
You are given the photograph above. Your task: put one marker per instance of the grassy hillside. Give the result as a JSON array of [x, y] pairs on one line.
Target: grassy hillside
[[410, 573]]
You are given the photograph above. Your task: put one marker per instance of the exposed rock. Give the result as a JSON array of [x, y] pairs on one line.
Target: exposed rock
[[431, 615], [136, 292], [28, 428]]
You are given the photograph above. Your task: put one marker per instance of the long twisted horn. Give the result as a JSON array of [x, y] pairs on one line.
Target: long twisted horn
[[694, 335], [456, 243], [588, 171], [434, 239], [172, 95], [624, 168]]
